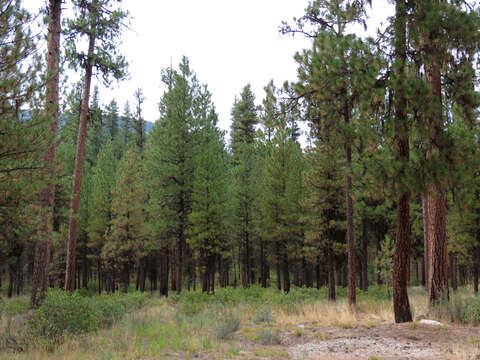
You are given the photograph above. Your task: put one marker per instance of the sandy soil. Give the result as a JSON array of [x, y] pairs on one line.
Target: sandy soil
[[379, 342]]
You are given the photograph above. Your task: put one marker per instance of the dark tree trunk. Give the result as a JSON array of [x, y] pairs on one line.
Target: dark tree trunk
[[401, 272], [164, 273], [364, 256], [417, 272], [426, 242], [352, 297], [461, 273], [263, 266], [125, 278], [79, 155], [436, 192], [179, 264], [476, 254], [11, 280], [286, 274], [173, 276], [317, 272], [47, 195], [422, 268], [153, 273], [331, 276], [279, 278], [453, 272]]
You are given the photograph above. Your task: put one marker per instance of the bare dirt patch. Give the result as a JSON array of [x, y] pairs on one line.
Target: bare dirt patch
[[388, 341]]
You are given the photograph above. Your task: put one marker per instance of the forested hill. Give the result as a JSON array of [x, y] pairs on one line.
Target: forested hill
[[387, 191]]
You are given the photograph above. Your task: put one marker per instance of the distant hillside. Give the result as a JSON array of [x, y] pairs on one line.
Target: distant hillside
[[148, 126]]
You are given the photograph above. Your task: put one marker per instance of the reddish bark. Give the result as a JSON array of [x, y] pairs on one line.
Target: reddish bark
[[47, 195], [79, 155], [401, 304]]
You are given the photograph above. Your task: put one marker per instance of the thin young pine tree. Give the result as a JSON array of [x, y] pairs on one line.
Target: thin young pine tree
[[102, 28]]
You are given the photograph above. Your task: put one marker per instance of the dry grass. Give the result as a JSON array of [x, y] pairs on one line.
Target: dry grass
[[161, 330], [337, 314]]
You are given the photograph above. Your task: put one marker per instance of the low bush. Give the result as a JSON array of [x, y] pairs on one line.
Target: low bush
[[269, 337], [263, 315], [62, 314], [458, 309], [227, 327], [14, 306]]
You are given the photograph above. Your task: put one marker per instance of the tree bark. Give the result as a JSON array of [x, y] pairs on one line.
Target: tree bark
[[436, 193], [47, 195], [164, 273], [364, 260], [352, 296], [426, 242], [286, 274], [331, 276], [453, 271], [476, 254], [401, 304], [79, 155]]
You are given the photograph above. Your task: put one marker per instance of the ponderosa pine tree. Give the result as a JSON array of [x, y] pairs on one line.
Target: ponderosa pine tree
[[169, 166], [334, 78], [324, 201], [244, 119], [101, 24], [207, 231], [444, 36], [124, 240], [402, 143], [100, 212], [47, 195], [282, 195]]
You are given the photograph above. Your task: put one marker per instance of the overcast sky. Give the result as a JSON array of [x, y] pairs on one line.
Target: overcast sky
[[229, 44]]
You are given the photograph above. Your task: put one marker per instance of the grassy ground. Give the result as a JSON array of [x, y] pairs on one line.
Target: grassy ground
[[264, 324]]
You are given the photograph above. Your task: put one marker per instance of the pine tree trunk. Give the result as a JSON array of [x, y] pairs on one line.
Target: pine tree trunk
[[476, 254], [263, 267], [153, 272], [401, 272], [364, 259], [317, 273], [79, 155], [453, 271], [47, 195], [100, 276], [173, 277], [279, 281], [164, 273], [179, 264], [331, 276], [461, 274], [422, 270], [426, 242], [438, 276], [352, 297], [417, 272], [11, 280], [286, 274], [436, 193]]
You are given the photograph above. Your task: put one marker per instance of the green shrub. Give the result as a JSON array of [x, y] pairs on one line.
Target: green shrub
[[15, 306], [269, 337], [63, 314], [263, 315], [225, 328]]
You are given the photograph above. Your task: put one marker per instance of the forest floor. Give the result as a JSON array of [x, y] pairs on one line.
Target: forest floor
[[191, 327]]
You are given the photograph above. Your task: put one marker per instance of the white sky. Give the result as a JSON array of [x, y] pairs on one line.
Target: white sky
[[229, 44]]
